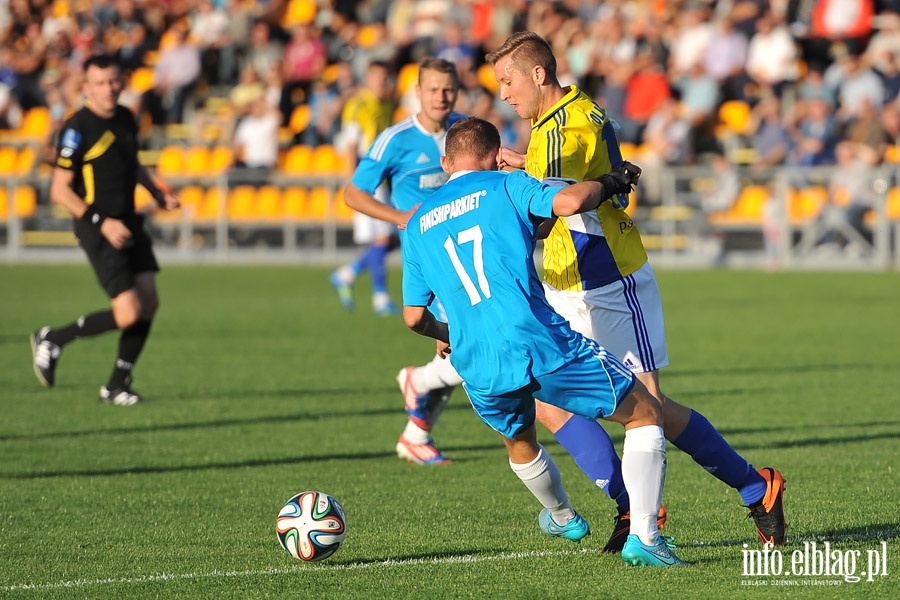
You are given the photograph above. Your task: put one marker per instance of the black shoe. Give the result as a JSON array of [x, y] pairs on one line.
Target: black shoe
[[768, 513], [123, 396], [45, 354], [622, 527]]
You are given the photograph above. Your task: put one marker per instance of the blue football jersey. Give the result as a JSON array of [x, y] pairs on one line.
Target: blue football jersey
[[472, 244], [409, 158]]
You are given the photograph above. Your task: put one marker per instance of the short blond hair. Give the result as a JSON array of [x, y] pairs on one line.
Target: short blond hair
[[526, 49]]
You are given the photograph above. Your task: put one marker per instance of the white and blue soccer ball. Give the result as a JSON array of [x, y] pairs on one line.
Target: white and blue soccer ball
[[311, 526]]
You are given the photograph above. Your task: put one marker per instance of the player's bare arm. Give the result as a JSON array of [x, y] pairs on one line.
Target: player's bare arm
[[61, 193], [365, 203]]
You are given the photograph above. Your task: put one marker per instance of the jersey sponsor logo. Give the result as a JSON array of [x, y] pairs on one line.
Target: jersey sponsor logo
[[434, 180], [451, 210], [70, 141], [423, 158], [625, 225]]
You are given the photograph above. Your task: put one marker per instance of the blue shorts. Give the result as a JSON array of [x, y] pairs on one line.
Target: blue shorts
[[591, 385]]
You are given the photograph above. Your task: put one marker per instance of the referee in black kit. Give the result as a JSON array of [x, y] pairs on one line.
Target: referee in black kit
[[96, 173]]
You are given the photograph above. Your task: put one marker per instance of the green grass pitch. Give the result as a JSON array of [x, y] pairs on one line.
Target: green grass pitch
[[259, 386]]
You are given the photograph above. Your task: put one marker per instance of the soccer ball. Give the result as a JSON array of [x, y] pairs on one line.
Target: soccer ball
[[311, 526]]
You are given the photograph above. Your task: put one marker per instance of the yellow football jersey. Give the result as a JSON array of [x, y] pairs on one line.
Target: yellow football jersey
[[369, 116], [576, 141]]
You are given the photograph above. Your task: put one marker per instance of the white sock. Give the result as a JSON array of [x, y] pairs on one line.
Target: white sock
[[346, 274], [415, 434], [433, 375], [437, 403], [644, 471], [541, 477], [380, 300]]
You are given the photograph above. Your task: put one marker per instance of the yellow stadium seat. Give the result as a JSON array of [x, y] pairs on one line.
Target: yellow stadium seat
[[25, 161], [298, 160], [142, 198], [486, 78], [24, 201], [171, 161], [220, 158], [299, 118], [368, 35], [241, 203], [319, 202], [8, 159], [342, 212], [892, 154], [751, 202], [407, 78], [212, 204], [629, 150], [299, 12], [805, 204], [735, 115], [295, 203], [327, 160], [197, 161], [268, 202], [36, 123], [142, 79]]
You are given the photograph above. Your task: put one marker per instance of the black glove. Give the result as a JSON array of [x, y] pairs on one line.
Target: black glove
[[621, 180]]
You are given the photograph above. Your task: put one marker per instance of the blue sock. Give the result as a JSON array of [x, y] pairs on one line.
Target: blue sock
[[709, 449], [589, 444], [377, 256], [363, 261]]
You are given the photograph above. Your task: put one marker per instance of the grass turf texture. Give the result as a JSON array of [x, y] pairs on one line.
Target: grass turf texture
[[259, 385]]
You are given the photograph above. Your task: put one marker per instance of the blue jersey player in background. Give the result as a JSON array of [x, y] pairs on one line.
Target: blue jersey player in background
[[407, 156], [471, 244]]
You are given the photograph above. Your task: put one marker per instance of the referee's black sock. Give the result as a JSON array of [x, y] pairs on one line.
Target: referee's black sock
[[130, 345], [86, 326]]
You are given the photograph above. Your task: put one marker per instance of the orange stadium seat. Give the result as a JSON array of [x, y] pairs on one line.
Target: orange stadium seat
[[407, 78], [804, 205], [747, 209], [299, 118], [299, 12], [211, 206], [142, 198], [327, 160], [36, 123], [486, 78], [26, 160], [142, 79], [735, 115]]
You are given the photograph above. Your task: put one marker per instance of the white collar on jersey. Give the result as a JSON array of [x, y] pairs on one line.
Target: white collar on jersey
[[460, 174]]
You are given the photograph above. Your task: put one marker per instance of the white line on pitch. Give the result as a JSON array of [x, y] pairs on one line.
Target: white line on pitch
[[80, 583]]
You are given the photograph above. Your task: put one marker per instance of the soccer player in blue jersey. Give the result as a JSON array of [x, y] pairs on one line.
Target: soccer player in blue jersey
[[597, 276], [471, 244], [407, 157]]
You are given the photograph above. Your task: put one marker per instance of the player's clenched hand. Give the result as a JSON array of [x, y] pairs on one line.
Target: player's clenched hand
[[406, 216], [443, 349], [621, 180], [115, 233], [172, 202], [510, 159]]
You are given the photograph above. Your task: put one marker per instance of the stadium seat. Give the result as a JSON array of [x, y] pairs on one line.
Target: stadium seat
[[211, 205], [25, 161], [142, 79], [24, 202], [407, 78], [196, 161], [320, 198], [327, 161], [735, 115], [268, 203], [295, 203], [629, 150], [142, 199], [220, 159], [892, 154], [299, 12], [36, 124], [342, 212], [747, 209], [298, 160], [241, 203], [171, 161], [804, 205], [299, 118], [486, 78], [8, 158]]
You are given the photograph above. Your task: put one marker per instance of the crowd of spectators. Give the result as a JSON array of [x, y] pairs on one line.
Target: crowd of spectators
[[813, 74]]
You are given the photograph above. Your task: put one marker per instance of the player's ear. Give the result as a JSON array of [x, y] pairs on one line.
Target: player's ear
[[446, 164], [538, 75]]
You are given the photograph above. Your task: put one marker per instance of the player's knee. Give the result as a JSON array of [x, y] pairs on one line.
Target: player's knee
[[646, 409], [126, 316]]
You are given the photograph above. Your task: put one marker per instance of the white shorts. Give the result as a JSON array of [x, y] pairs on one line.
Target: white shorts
[[625, 317], [366, 229]]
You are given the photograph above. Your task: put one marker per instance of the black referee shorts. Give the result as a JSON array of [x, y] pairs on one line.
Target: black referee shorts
[[116, 269]]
